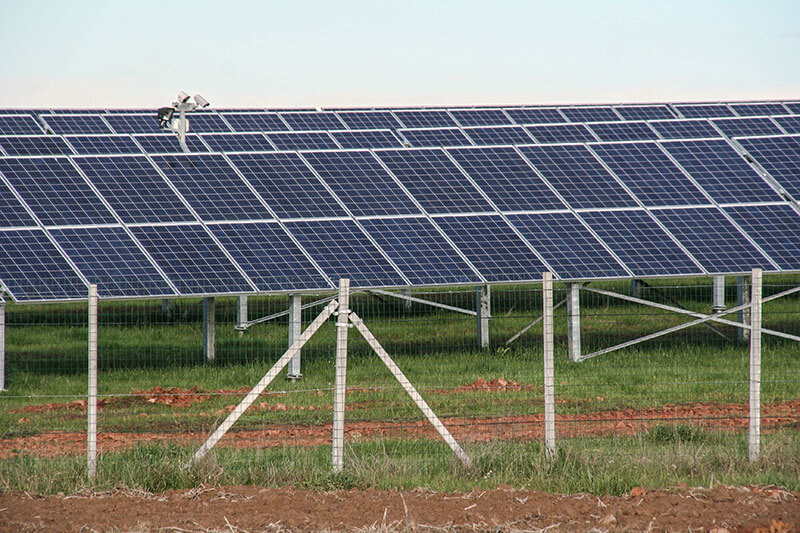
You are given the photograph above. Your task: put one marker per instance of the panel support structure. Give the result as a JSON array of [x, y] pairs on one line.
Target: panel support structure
[[91, 403], [483, 295], [549, 374], [241, 313], [718, 298], [340, 383], [574, 321], [2, 346], [209, 330], [295, 327], [754, 433], [636, 288], [742, 298]]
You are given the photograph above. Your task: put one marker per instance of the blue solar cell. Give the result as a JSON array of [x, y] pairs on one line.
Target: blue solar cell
[[55, 191], [427, 118], [493, 247], [32, 268], [535, 115], [561, 133], [102, 144], [578, 176], [361, 183], [34, 145], [640, 243], [366, 139], [19, 124], [134, 189], [589, 114], [342, 250], [567, 246], [207, 122], [435, 137], [307, 121], [721, 171], [110, 258], [167, 143], [191, 259], [775, 228], [685, 129], [303, 140], [704, 110], [434, 180], [134, 122], [498, 135], [506, 178], [650, 174], [481, 117], [288, 186], [794, 107], [237, 142], [420, 251], [12, 213], [780, 157], [369, 120], [759, 109], [212, 187], [645, 112], [623, 131], [269, 257], [83, 124], [713, 240], [789, 123], [747, 127], [255, 121]]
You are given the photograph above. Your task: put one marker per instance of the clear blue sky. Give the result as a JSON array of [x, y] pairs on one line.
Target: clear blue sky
[[372, 52]]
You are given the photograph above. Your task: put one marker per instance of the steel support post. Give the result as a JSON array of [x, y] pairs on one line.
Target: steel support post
[[549, 374], [407, 302], [574, 322], [483, 307], [718, 298], [340, 384], [295, 328], [636, 288], [91, 404], [209, 331], [241, 313], [743, 298], [2, 346], [754, 433]]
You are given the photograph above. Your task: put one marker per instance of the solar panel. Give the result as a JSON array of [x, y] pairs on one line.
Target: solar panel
[[794, 107], [12, 213], [55, 191], [640, 243], [623, 131], [567, 246], [747, 127], [435, 137], [506, 178], [427, 118], [780, 157], [493, 247], [498, 135], [342, 250], [578, 176], [110, 258], [354, 139], [775, 228], [288, 186], [269, 257], [721, 171], [434, 180], [713, 240], [237, 142], [369, 120], [589, 114], [420, 251], [302, 140], [167, 143], [685, 129], [535, 115], [15, 145], [19, 124], [759, 109], [83, 124], [561, 133], [32, 268], [134, 123], [191, 259], [789, 123], [645, 112], [650, 174], [212, 187], [360, 181], [134, 189], [481, 117], [102, 144], [314, 120], [255, 121], [207, 122], [704, 110]]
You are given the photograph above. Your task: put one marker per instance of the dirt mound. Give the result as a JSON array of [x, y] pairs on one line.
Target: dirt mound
[[174, 396], [499, 384]]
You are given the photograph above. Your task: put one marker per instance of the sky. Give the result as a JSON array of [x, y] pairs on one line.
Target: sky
[[315, 53]]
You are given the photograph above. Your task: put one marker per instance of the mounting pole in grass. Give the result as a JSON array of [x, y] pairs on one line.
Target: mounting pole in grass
[[754, 433], [549, 374], [742, 298], [295, 328], [2, 345], [483, 307], [209, 331], [91, 408], [574, 321], [342, 323]]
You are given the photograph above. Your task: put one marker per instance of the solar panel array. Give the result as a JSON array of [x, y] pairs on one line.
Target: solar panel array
[[291, 200]]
